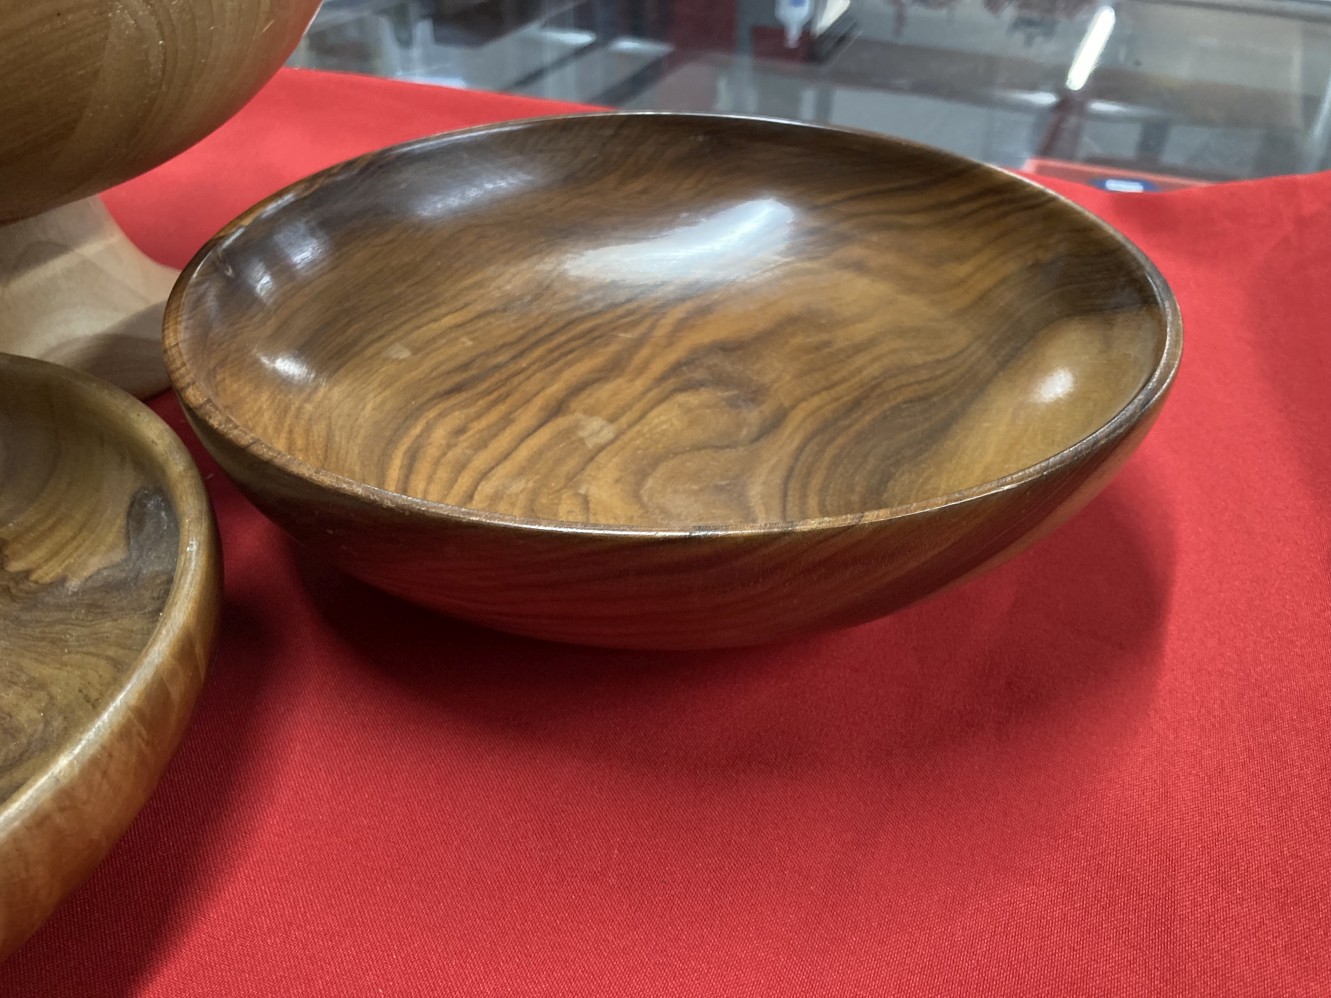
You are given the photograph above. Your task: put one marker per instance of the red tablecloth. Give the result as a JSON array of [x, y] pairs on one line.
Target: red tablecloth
[[1103, 769]]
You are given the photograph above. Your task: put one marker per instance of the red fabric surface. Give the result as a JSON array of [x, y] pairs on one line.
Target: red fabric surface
[[1103, 769]]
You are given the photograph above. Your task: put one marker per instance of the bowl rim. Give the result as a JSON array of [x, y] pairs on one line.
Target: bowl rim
[[179, 644], [191, 576], [200, 405]]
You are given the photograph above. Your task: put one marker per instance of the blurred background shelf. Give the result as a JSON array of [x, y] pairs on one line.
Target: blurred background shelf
[[1132, 95]]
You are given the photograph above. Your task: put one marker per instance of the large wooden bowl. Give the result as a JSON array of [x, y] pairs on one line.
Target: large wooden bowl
[[669, 381], [109, 589]]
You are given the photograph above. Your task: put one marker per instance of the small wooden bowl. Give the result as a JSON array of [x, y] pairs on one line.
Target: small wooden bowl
[[109, 591], [667, 381]]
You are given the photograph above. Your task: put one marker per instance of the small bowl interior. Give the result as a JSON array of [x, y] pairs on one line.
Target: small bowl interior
[[668, 321], [89, 549]]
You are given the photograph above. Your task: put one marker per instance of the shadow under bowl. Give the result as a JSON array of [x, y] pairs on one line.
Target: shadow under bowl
[[668, 381]]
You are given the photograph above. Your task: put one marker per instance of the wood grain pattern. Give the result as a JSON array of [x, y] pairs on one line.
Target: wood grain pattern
[[96, 92], [75, 291], [109, 588], [668, 381]]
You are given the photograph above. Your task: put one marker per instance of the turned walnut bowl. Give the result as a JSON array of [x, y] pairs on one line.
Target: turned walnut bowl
[[668, 381], [110, 583]]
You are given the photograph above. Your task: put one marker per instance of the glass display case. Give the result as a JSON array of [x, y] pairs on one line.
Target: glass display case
[[1133, 95]]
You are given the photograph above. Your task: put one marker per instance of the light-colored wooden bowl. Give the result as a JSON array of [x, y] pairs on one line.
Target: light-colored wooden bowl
[[109, 592], [669, 381], [96, 92], [99, 91]]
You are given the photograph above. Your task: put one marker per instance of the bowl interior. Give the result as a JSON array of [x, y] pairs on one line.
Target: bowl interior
[[89, 547], [666, 321]]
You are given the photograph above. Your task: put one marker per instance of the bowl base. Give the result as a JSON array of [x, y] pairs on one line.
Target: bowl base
[[74, 290]]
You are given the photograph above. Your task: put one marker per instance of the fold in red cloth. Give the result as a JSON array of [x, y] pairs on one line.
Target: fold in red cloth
[[1104, 768]]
